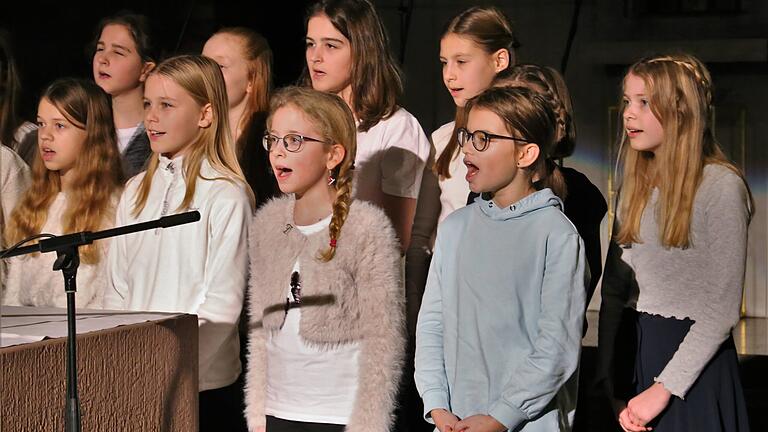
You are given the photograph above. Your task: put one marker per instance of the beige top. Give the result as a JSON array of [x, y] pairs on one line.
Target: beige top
[[32, 281]]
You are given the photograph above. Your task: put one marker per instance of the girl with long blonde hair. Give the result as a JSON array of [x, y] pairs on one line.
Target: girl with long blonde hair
[[201, 267], [76, 181], [677, 258]]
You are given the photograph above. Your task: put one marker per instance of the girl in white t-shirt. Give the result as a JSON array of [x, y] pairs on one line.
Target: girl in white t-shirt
[[477, 46], [348, 55], [325, 303]]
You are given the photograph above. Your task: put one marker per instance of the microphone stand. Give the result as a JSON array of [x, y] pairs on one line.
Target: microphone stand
[[68, 261]]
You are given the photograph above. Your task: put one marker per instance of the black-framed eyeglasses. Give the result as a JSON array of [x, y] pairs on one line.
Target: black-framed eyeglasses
[[291, 142], [480, 139]]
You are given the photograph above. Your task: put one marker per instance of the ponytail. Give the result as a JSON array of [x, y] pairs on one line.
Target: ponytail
[[491, 30], [550, 176]]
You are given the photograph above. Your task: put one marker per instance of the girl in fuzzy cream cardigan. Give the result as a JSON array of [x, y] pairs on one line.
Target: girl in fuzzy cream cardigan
[[326, 302]]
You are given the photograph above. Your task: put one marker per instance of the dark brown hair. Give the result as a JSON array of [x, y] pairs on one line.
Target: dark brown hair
[[139, 28], [377, 84]]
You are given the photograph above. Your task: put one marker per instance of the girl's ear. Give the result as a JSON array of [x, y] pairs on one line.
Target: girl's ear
[[500, 60], [527, 155], [335, 156], [206, 116], [145, 70], [251, 75]]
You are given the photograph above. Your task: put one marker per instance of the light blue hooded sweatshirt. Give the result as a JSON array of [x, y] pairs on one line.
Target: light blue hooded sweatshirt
[[499, 330]]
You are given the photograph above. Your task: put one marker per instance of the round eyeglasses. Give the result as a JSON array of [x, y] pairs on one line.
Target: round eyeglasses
[[291, 142], [480, 139]]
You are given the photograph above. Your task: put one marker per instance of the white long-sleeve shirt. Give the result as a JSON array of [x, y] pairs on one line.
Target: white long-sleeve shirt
[[199, 268]]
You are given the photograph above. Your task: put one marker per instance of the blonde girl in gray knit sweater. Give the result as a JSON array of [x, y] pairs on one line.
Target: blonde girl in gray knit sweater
[[677, 258]]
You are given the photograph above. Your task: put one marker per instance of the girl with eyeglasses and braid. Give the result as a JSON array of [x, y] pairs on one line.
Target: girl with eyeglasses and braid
[[499, 330], [325, 296]]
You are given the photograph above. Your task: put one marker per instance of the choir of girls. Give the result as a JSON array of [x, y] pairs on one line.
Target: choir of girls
[[313, 197]]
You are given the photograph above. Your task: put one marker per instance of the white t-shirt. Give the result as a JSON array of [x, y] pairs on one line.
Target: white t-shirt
[[390, 158], [124, 137], [306, 383], [453, 190]]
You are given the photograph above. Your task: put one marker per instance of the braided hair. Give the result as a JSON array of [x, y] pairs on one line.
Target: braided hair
[[550, 85], [333, 119]]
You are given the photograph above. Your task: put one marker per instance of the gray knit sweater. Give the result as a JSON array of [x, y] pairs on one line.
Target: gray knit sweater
[[703, 282]]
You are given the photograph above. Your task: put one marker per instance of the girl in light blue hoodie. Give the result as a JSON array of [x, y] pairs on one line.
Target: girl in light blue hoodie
[[499, 330]]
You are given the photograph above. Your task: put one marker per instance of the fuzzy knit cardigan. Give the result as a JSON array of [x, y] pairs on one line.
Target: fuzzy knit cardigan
[[355, 297]]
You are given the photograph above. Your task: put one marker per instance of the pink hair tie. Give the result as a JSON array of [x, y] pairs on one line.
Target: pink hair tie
[[333, 243]]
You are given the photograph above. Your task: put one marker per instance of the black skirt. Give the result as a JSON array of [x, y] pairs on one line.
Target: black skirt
[[714, 403]]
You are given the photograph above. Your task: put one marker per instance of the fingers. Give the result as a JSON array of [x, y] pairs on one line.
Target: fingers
[[460, 426], [634, 418], [628, 424]]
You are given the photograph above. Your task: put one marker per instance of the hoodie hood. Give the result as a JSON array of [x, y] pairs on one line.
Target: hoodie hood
[[533, 202]]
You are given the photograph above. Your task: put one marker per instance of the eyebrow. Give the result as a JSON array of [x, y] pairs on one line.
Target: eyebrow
[[325, 39], [161, 98], [55, 119], [289, 131], [114, 46]]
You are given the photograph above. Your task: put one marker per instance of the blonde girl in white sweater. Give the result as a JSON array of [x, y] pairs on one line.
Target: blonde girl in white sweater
[[197, 268]]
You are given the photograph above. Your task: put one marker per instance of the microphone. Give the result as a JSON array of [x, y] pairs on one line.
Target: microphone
[[86, 237], [179, 219]]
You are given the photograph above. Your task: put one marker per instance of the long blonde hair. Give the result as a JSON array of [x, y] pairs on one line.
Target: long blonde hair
[[333, 119], [90, 202], [679, 88], [201, 78]]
